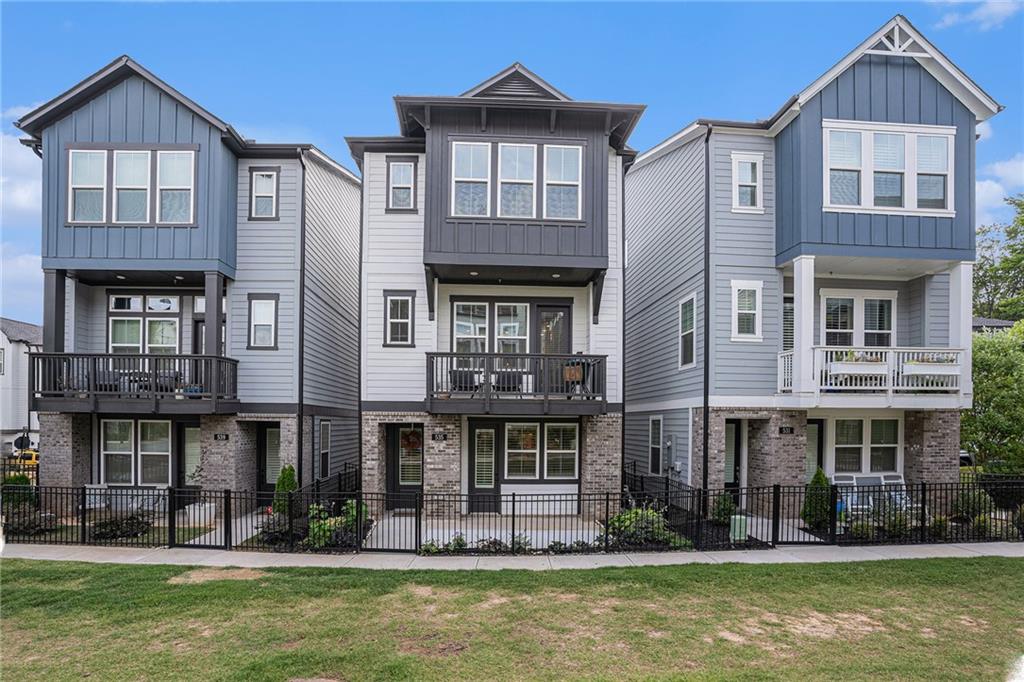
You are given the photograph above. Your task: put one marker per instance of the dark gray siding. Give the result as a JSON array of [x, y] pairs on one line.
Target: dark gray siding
[[880, 89], [344, 444], [136, 112]]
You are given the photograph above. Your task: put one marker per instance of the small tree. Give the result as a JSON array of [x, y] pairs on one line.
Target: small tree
[[816, 512], [286, 483], [993, 429]]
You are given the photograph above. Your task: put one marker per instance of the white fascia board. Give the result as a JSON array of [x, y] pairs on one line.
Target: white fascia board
[[687, 134]]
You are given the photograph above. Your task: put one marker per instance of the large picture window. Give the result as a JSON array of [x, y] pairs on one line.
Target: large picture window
[[87, 188], [563, 170], [517, 168], [471, 179]]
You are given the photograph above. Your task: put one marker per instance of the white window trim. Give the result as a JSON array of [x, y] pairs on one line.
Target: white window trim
[[191, 186], [72, 187], [867, 181], [174, 309], [139, 298], [140, 453], [323, 450], [575, 452], [865, 453], [858, 296], [408, 482], [487, 212], [476, 470], [411, 185], [272, 194], [749, 157], [661, 444], [532, 182], [536, 460], [104, 452], [758, 311], [497, 329], [177, 333], [252, 323], [487, 320], [692, 297], [388, 320], [149, 159], [578, 183], [110, 333]]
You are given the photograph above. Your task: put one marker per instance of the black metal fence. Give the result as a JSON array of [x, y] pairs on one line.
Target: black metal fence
[[14, 468]]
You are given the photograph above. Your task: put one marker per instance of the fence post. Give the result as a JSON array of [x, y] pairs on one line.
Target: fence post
[[291, 522], [227, 519], [699, 539], [666, 491], [339, 477], [316, 490], [924, 511], [833, 500], [81, 514], [607, 519], [419, 520], [359, 517], [776, 513], [172, 528], [513, 538]]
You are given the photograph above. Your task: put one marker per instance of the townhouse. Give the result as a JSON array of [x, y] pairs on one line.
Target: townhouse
[[798, 289], [491, 300], [17, 340], [201, 295]]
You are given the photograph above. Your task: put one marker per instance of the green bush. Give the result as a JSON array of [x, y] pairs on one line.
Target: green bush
[[722, 510], [321, 526], [125, 527], [521, 543], [430, 547], [896, 525], [971, 503], [350, 516], [862, 530], [641, 526], [982, 526], [817, 496], [17, 490], [938, 527], [286, 483], [456, 544]]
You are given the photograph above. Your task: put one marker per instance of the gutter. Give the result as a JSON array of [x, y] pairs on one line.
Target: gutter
[[301, 409], [705, 435]]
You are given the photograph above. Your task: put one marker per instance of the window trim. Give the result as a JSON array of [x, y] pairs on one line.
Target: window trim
[[276, 196], [788, 300], [689, 298], [72, 187], [910, 172], [139, 453], [748, 157], [191, 188], [758, 285], [455, 328], [858, 296], [252, 298], [536, 450], [413, 161], [399, 294], [177, 334], [147, 187], [454, 179], [104, 452], [532, 182], [578, 183], [661, 444], [322, 451], [142, 332], [576, 452], [497, 328], [865, 446]]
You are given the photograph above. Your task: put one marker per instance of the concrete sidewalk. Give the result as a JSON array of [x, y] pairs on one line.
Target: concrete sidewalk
[[373, 560]]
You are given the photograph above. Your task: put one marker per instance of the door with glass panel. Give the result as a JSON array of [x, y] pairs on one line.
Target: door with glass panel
[[484, 466], [513, 373], [187, 470], [268, 451], [554, 337], [815, 447], [733, 453], [467, 372], [404, 464]]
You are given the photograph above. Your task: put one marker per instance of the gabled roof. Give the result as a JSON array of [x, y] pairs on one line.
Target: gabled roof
[[517, 82], [26, 332]]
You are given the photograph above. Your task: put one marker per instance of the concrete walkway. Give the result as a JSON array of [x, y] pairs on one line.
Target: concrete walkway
[[789, 555]]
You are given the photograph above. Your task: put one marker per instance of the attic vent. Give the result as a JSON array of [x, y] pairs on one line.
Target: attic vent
[[897, 42], [515, 85]]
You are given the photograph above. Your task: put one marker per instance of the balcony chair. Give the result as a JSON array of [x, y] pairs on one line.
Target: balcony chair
[[464, 381]]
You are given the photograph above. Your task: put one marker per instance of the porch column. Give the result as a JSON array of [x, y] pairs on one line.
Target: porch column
[[54, 283], [961, 279], [803, 324], [214, 312]]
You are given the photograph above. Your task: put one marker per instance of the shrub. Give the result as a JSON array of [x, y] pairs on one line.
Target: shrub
[[321, 526], [938, 527], [971, 503], [557, 547], [982, 526], [456, 544], [430, 547], [722, 510], [637, 527], [27, 520], [816, 512], [896, 525], [581, 546], [492, 546], [275, 530], [350, 514], [17, 490], [286, 483], [521, 543], [862, 530], [125, 527]]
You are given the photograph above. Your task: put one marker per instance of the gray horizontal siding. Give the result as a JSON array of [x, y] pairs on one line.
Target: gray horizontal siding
[[344, 443], [675, 427]]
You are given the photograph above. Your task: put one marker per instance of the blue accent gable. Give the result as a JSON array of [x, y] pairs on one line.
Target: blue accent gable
[[876, 88]]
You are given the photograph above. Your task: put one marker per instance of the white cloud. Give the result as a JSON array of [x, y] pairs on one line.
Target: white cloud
[[1009, 172], [21, 183], [988, 202], [16, 112], [985, 16], [21, 284], [984, 131]]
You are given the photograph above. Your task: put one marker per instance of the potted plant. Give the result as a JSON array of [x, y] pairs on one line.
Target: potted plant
[[861, 363], [933, 364]]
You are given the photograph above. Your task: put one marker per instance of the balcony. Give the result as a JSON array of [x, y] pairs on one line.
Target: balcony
[[155, 384], [516, 383]]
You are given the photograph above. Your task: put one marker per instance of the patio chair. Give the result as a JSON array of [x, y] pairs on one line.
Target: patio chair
[[509, 382], [464, 381]]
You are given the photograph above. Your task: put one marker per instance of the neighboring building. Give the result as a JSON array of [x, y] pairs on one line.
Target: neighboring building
[[492, 292], [201, 294], [808, 279], [17, 340], [991, 324]]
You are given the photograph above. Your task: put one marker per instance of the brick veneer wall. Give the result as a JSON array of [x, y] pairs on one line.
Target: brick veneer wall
[[227, 464], [66, 441], [931, 450], [772, 457], [601, 458], [442, 459]]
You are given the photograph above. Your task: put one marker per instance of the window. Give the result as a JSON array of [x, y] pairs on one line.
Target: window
[[746, 306], [398, 320], [126, 304], [87, 190], [849, 435], [471, 179], [192, 453], [263, 189], [891, 168], [470, 327], [131, 187], [521, 454], [199, 306], [877, 322], [560, 450], [117, 452], [263, 321], [562, 173], [325, 449], [401, 184], [687, 333], [654, 446], [410, 455], [125, 335], [747, 173], [787, 322], [2, 366], [858, 318], [483, 459], [882, 454], [513, 332], [155, 452], [161, 336], [162, 304], [885, 437], [517, 167], [838, 321], [175, 177]]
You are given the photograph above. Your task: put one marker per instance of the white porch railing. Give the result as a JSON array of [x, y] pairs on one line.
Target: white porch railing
[[879, 370]]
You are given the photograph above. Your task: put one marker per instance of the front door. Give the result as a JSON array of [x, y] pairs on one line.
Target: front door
[[815, 446], [268, 453], [733, 453], [554, 337], [484, 467], [404, 465]]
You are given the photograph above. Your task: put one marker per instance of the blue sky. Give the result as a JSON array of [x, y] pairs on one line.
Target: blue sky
[[318, 72]]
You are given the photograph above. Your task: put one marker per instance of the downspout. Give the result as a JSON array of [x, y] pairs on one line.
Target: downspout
[[302, 313], [622, 309], [705, 436]]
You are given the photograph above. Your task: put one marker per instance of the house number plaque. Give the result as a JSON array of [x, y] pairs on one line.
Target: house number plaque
[[220, 436], [785, 430], [439, 437]]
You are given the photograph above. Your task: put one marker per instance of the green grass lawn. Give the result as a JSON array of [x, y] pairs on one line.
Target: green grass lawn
[[930, 619]]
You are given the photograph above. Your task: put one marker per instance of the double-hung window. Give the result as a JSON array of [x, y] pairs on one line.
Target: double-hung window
[[849, 445], [155, 452], [262, 322], [513, 330], [161, 335], [401, 185], [844, 167], [325, 449], [687, 330], [263, 205], [858, 318], [933, 159], [471, 179], [87, 189], [398, 322], [175, 179], [131, 186], [117, 451], [517, 169], [561, 450], [563, 170], [884, 444], [471, 325], [747, 182], [522, 450], [889, 165], [125, 335], [654, 446], [746, 307], [879, 454]]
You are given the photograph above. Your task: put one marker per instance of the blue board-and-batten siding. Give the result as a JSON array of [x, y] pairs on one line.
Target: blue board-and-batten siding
[[135, 111], [879, 89]]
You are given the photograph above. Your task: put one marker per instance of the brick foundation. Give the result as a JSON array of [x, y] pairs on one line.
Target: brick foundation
[[601, 459], [772, 456], [66, 443], [931, 450]]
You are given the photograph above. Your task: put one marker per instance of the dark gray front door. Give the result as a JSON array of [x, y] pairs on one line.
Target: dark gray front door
[[485, 464], [404, 465]]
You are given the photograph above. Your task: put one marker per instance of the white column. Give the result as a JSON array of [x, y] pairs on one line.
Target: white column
[[803, 324], [961, 278]]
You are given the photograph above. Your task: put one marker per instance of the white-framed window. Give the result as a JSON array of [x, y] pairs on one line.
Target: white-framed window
[[117, 451], [131, 186], [410, 455], [401, 184], [471, 325], [867, 445], [522, 450], [325, 449], [3, 367], [264, 194], [849, 445], [885, 444], [263, 323], [561, 450], [161, 335], [889, 168], [471, 179], [175, 180], [154, 452], [125, 335], [398, 324], [688, 331], [87, 186], [746, 310], [512, 334], [747, 182], [787, 322], [858, 318], [563, 173], [483, 458], [125, 304], [654, 446], [199, 304], [517, 180], [163, 304]]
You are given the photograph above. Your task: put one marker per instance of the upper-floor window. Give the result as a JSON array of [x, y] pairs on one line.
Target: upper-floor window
[[687, 330], [888, 168], [747, 182], [746, 310], [264, 194], [398, 318], [517, 168], [143, 324], [471, 327], [87, 190], [401, 184], [175, 179], [562, 182], [471, 179], [858, 318], [262, 321], [131, 186]]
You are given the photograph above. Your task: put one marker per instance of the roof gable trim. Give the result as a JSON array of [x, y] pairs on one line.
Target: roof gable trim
[[516, 81]]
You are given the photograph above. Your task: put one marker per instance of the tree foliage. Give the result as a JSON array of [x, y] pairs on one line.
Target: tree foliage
[[999, 270], [993, 429]]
